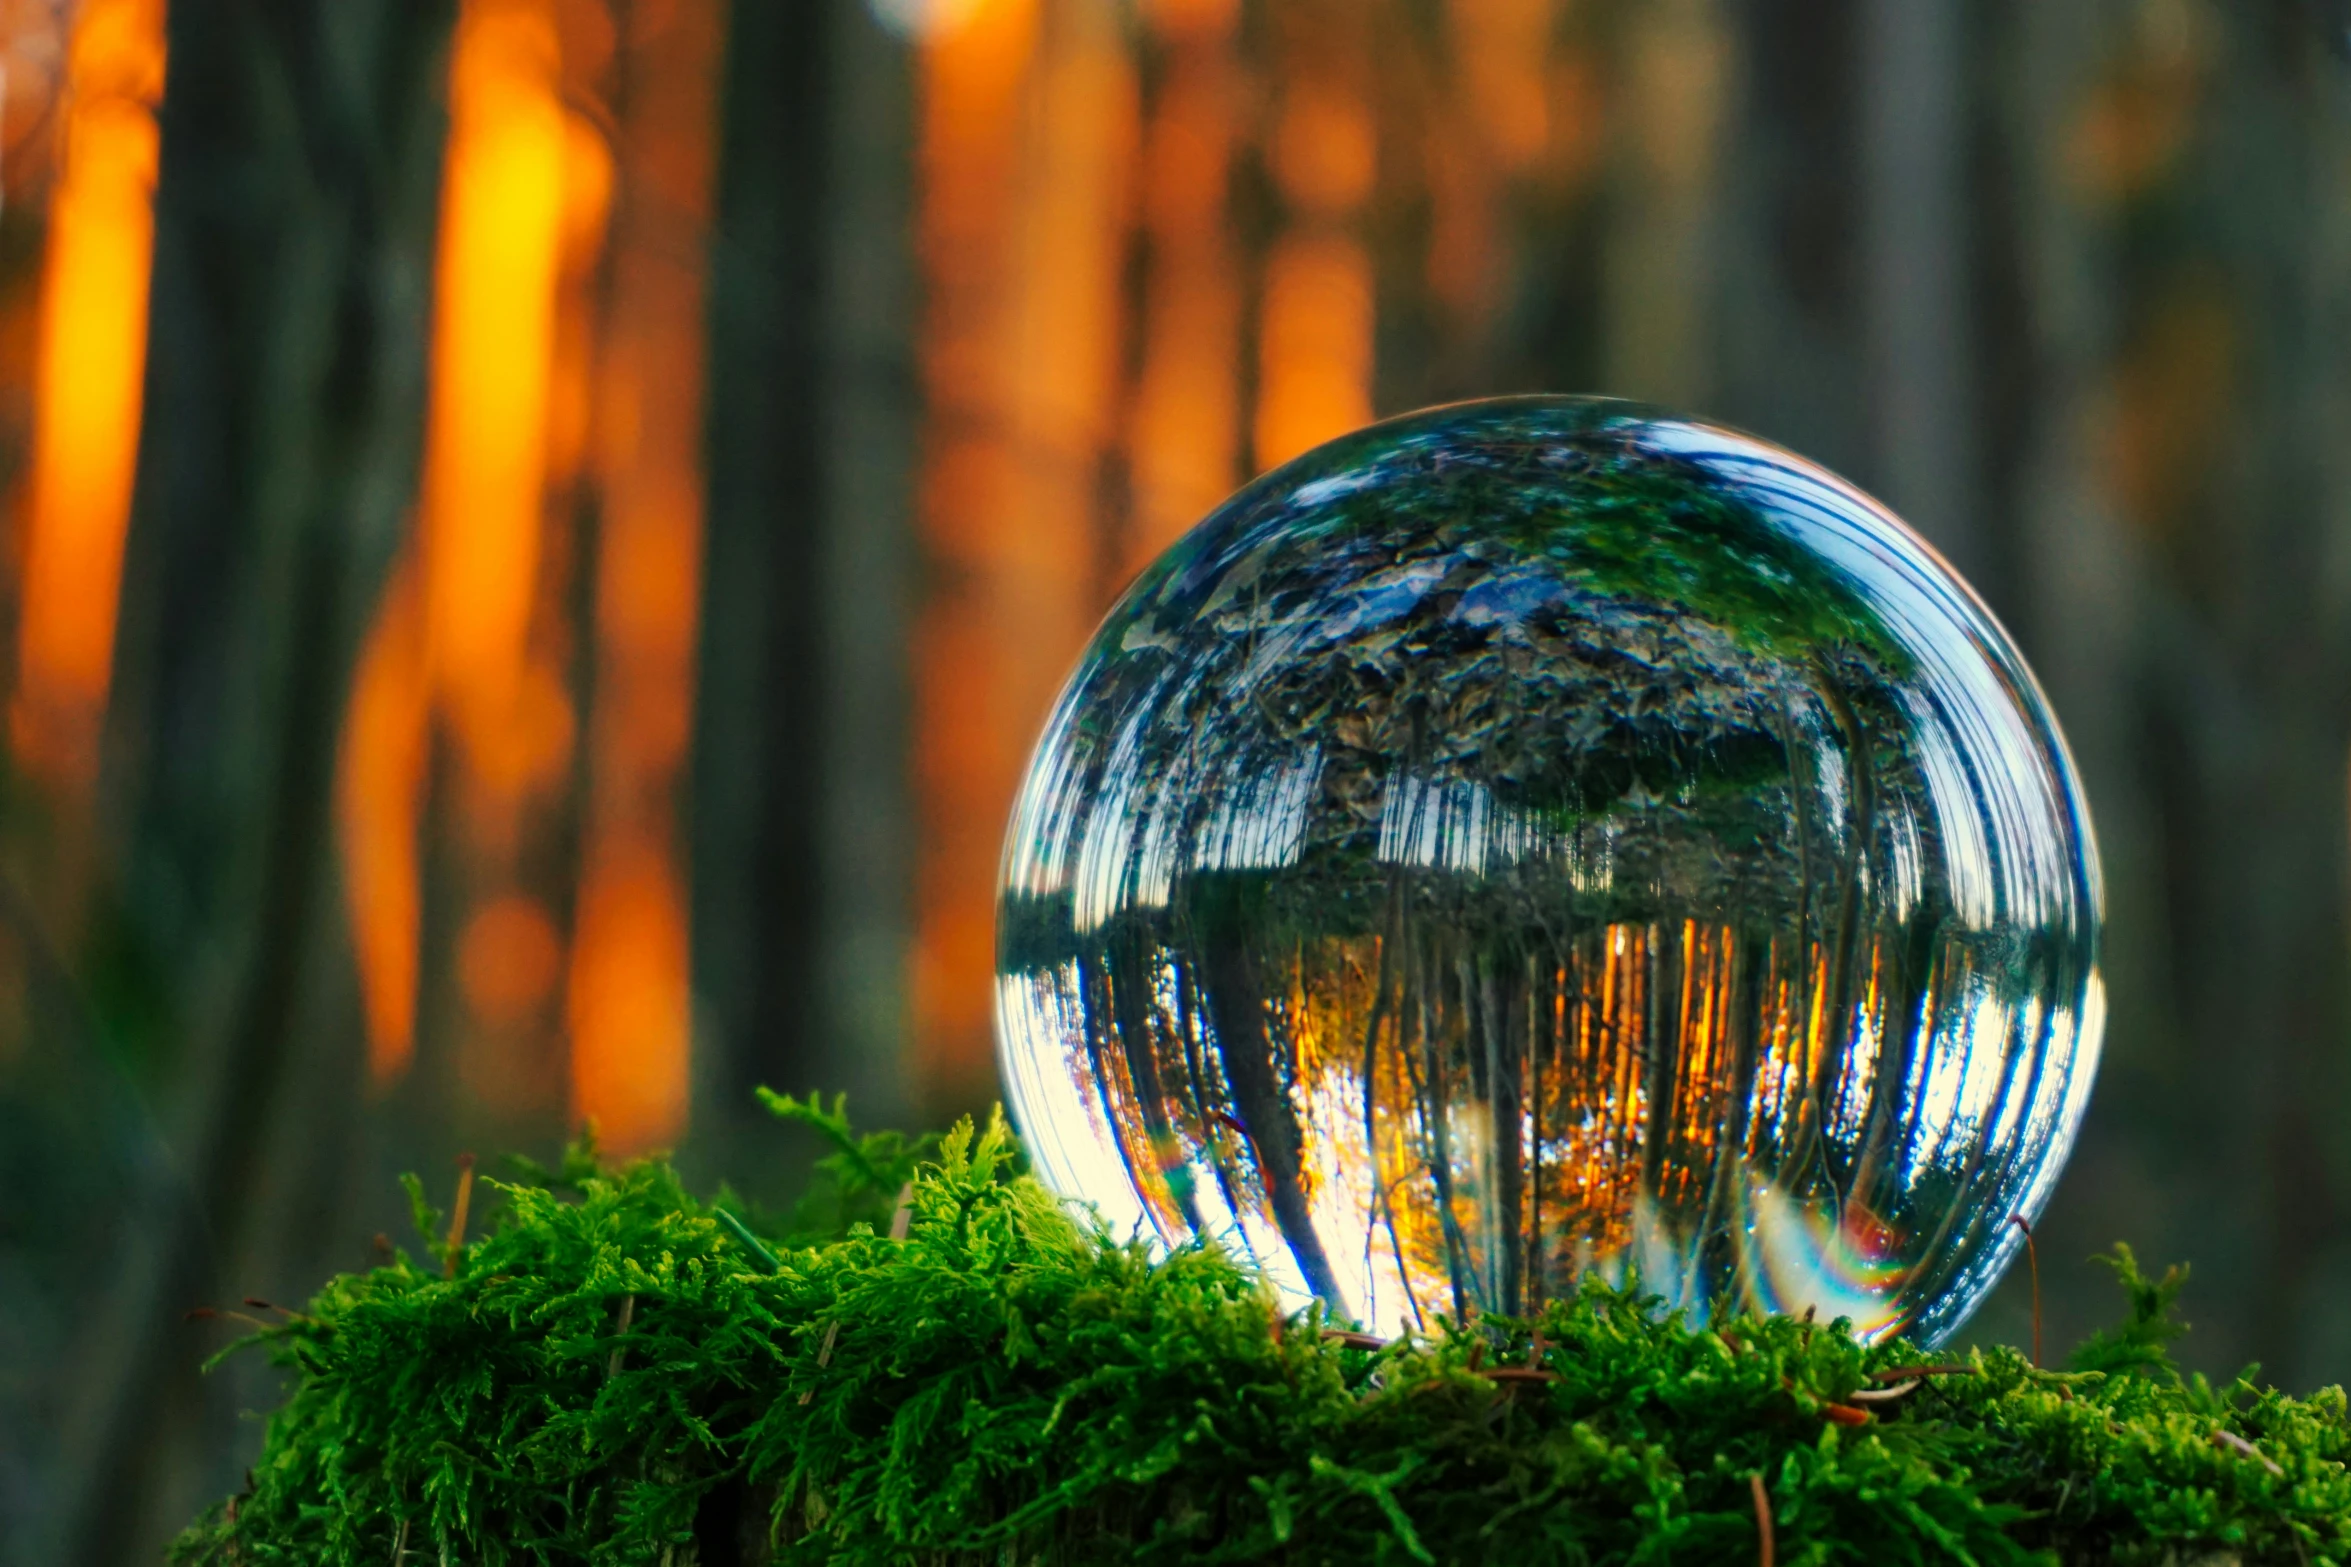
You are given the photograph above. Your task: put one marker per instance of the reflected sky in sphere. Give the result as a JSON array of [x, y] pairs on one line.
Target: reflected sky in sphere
[[1550, 836]]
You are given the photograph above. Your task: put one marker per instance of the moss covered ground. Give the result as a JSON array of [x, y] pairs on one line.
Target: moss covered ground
[[614, 1372]]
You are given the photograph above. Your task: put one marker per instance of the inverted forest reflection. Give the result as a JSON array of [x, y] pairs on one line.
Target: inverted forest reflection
[[1537, 838]]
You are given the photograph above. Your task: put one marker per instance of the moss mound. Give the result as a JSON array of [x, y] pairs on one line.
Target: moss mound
[[618, 1373]]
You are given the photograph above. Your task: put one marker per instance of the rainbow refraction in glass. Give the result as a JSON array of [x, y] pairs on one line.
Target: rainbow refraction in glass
[[1546, 836]]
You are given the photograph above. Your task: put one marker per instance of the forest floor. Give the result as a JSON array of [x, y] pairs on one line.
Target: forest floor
[[929, 1360]]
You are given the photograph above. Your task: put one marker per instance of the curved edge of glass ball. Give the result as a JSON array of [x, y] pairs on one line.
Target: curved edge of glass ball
[[1550, 836]]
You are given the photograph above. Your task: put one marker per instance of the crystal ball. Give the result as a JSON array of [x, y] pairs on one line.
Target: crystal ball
[[1548, 837]]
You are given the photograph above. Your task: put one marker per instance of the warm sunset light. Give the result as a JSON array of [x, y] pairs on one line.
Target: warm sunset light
[[452, 631], [502, 210], [1187, 421], [969, 168], [1027, 165], [628, 1006], [1314, 351], [628, 1003], [92, 358], [379, 794], [566, 353], [1314, 354]]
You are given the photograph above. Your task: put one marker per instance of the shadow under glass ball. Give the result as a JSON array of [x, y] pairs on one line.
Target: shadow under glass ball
[[1545, 836]]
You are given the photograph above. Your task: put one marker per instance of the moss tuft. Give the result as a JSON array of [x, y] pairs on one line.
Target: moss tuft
[[617, 1374]]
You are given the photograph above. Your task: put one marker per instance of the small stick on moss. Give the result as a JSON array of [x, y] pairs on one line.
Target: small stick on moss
[[2230, 1439], [456, 1247], [1537, 1349], [2032, 1259], [1844, 1415], [1520, 1374], [902, 1220], [824, 1354], [400, 1545], [628, 1312], [1886, 1395], [1906, 1373], [1765, 1546], [1349, 1339]]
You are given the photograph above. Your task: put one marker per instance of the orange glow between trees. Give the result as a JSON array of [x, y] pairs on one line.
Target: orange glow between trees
[[379, 794], [91, 363], [502, 212], [1314, 350], [1027, 164], [453, 629], [550, 371], [628, 1006], [1185, 445]]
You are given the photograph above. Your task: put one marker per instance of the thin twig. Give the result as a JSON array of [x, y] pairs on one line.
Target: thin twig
[[400, 1545], [628, 1312], [1886, 1395], [1906, 1373], [215, 1314], [457, 1216], [2032, 1258], [1844, 1415], [1520, 1374], [1353, 1340], [824, 1354], [2230, 1439], [902, 1221], [1765, 1546]]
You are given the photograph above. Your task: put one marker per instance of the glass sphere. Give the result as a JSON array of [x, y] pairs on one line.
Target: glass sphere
[[1546, 836]]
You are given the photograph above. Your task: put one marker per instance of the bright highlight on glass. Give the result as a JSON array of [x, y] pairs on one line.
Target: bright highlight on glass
[[1551, 835]]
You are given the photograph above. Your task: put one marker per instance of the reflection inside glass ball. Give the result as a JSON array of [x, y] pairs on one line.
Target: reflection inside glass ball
[[1548, 836]]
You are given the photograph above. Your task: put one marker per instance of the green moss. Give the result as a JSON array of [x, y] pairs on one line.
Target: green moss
[[616, 1375]]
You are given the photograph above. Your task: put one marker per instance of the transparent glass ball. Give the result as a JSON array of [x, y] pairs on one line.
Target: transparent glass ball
[[1550, 836]]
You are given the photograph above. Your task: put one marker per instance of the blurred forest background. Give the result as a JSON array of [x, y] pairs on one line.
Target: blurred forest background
[[538, 534]]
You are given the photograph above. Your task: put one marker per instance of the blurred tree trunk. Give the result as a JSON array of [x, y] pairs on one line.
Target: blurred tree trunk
[[301, 143], [1913, 121], [1791, 328], [2261, 212], [800, 862]]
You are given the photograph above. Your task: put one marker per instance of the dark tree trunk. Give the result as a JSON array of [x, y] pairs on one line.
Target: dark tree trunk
[[799, 867], [294, 221]]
